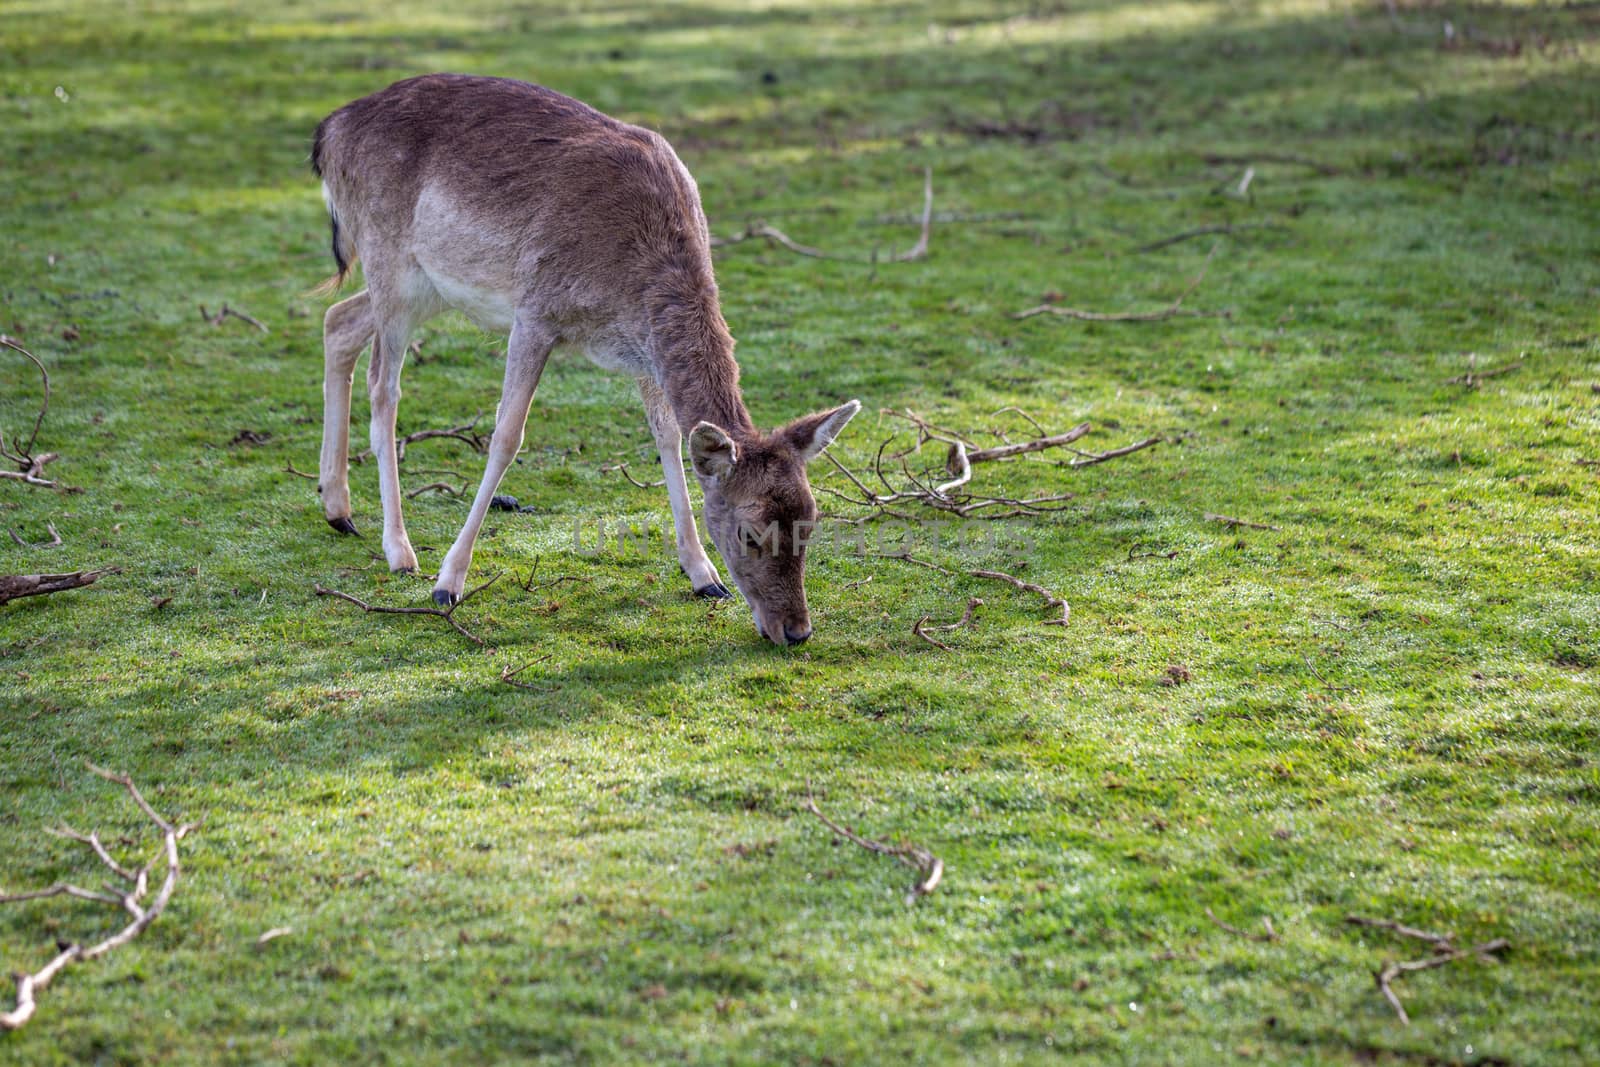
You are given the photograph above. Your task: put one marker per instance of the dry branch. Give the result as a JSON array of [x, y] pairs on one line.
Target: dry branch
[[509, 674], [1233, 523], [622, 469], [437, 487], [224, 312], [17, 586], [922, 629], [288, 468], [467, 433], [1266, 922], [1445, 952], [953, 495], [984, 455], [55, 538], [447, 614], [1203, 231], [1171, 311], [931, 867], [30, 468], [1473, 377], [1051, 600], [130, 899], [776, 236]]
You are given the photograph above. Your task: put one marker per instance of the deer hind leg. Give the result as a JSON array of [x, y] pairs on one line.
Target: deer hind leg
[[669, 443], [526, 352], [392, 334], [346, 329]]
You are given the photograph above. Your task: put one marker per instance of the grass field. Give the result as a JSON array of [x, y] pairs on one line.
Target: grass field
[[1385, 705]]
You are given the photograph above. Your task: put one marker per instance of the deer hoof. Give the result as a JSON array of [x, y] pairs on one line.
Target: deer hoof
[[344, 526], [445, 598], [714, 591]]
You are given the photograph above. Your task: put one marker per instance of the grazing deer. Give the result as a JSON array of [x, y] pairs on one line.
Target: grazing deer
[[535, 214]]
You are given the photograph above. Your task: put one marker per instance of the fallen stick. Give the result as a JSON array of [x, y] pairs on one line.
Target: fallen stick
[[55, 538], [1172, 310], [1089, 459], [984, 455], [1392, 970], [622, 469], [23, 456], [1266, 921], [1051, 600], [447, 614], [467, 433], [921, 627], [225, 312], [17, 586], [509, 675], [130, 900], [1439, 941], [1230, 521], [931, 867], [776, 236], [1203, 231], [1472, 378]]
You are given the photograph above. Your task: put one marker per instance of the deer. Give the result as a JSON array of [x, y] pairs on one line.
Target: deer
[[540, 217]]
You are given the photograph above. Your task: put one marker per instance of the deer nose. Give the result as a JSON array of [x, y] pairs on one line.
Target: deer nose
[[796, 637]]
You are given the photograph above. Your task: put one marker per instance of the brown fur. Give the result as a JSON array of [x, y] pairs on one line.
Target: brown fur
[[514, 202]]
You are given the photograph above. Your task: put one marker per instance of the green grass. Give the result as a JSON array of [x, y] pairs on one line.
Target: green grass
[[1391, 706]]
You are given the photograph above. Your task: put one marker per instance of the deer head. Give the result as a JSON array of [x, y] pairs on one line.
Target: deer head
[[760, 512]]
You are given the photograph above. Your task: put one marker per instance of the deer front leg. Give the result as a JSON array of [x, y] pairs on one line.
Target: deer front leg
[[383, 388], [346, 329], [526, 353], [669, 443]]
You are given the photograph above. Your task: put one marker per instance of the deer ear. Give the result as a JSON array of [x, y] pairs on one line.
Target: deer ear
[[711, 450], [812, 434]]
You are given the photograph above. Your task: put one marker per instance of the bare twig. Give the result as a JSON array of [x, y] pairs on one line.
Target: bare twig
[[508, 675], [1442, 942], [921, 627], [1233, 523], [273, 935], [437, 487], [55, 538], [17, 586], [1051, 600], [1444, 949], [1172, 310], [1473, 377], [1089, 459], [1203, 231], [622, 469], [776, 236], [23, 455], [914, 856], [288, 468], [1391, 970], [225, 312], [467, 433], [1266, 922], [447, 614], [984, 455], [130, 900]]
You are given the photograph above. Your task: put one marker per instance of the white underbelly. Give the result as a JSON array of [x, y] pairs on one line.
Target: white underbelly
[[489, 308]]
